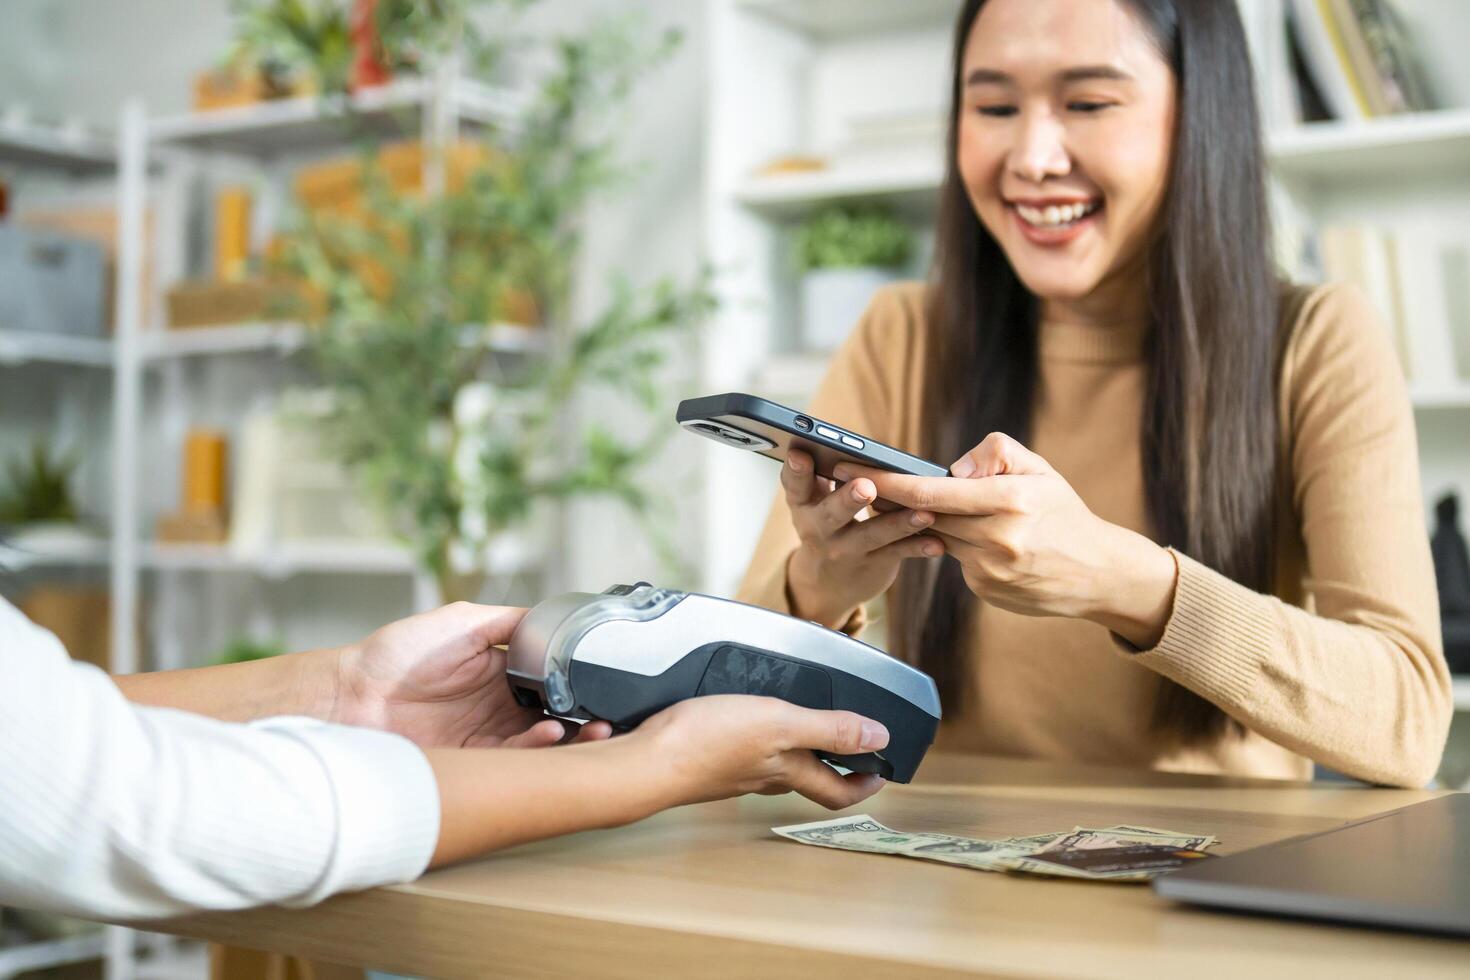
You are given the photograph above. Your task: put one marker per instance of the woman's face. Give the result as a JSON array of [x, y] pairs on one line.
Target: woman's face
[[1066, 124]]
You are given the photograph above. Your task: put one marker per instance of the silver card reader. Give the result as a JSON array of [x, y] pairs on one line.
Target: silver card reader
[[633, 650]]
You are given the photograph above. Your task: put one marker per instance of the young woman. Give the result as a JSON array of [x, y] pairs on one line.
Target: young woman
[[1199, 544], [366, 764]]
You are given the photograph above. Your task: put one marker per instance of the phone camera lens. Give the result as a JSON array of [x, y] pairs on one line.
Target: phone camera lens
[[803, 423]]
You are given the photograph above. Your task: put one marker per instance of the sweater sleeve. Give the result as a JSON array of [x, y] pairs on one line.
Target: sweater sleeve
[[113, 811], [1356, 680], [860, 392]]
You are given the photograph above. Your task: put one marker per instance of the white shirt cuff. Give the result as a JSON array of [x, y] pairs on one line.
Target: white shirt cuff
[[387, 803]]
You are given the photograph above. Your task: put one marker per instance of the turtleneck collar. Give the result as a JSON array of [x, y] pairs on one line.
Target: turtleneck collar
[[1120, 343]]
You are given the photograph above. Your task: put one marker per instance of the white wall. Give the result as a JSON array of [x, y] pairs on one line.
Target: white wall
[[648, 229], [81, 58]]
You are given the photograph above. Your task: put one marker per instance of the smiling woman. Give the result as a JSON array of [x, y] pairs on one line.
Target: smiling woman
[[1118, 129], [1198, 543]]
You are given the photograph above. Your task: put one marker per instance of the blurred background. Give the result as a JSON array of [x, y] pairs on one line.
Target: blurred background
[[317, 312]]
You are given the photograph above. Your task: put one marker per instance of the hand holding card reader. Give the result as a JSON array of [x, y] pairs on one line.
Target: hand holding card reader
[[634, 650]]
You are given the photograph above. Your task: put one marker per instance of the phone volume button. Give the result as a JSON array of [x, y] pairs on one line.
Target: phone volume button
[[822, 430], [852, 441]]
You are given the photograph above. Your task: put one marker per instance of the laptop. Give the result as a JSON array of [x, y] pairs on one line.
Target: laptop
[[1404, 869]]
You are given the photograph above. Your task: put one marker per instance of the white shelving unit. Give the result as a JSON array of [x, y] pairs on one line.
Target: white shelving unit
[[148, 367], [267, 137], [1409, 147], [301, 125], [908, 185], [17, 347], [25, 151], [785, 74], [287, 338], [15, 960], [31, 147]]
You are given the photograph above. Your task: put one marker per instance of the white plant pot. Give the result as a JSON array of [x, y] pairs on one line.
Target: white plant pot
[[832, 300]]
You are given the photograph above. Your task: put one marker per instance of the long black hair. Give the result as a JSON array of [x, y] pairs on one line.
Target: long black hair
[[1209, 421]]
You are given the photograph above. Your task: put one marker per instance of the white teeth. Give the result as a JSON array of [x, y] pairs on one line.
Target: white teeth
[[1055, 215]]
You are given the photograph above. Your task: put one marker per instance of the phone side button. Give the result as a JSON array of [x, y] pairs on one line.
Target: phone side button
[[822, 430], [852, 441]]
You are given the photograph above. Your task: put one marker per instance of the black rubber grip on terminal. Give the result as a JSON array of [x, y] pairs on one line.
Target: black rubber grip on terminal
[[625, 699]]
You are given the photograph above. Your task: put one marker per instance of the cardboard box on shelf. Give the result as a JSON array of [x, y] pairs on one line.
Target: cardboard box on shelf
[[239, 83], [336, 188], [336, 185], [227, 87], [81, 618], [206, 303]]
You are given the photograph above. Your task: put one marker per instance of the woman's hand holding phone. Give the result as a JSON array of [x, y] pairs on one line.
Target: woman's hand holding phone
[[848, 553], [1028, 543]]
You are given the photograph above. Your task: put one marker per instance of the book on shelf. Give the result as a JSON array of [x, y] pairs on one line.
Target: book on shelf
[[1354, 60], [1316, 34], [1416, 278], [1399, 67], [1266, 33], [1351, 47]]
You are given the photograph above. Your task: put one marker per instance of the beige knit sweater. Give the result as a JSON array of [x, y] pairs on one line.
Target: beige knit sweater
[[1343, 665]]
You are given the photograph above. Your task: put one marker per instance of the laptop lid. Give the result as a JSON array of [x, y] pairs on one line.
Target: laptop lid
[[1406, 869]]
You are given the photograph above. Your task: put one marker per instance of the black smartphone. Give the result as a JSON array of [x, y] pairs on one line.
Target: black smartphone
[[766, 427]]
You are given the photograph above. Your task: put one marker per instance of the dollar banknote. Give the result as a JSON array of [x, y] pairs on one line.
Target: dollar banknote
[[1120, 853]]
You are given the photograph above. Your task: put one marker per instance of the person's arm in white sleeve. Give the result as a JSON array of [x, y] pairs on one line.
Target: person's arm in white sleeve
[[117, 811], [113, 811]]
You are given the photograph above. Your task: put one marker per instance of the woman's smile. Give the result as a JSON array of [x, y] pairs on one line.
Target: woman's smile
[[1052, 222]]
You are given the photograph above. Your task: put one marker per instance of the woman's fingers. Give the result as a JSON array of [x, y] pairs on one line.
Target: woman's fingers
[[838, 732], [943, 495], [539, 735], [798, 479], [820, 783], [594, 731], [918, 546], [841, 506], [998, 453], [864, 539]]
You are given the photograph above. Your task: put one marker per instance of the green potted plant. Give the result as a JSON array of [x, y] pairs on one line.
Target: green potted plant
[[844, 254], [459, 447], [38, 489]]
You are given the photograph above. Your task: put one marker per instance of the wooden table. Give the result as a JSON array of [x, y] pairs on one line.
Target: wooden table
[[708, 891]]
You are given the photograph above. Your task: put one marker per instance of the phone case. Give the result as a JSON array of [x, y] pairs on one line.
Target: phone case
[[762, 426]]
